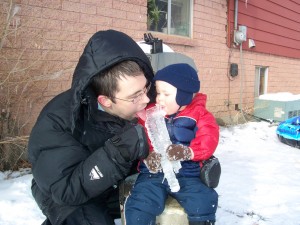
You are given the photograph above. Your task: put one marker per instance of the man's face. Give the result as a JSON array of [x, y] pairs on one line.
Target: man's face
[[131, 97], [166, 97]]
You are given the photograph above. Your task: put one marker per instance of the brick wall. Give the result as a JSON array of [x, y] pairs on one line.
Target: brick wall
[[48, 37]]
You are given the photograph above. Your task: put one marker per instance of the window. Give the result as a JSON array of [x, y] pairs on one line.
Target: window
[[261, 80], [170, 16]]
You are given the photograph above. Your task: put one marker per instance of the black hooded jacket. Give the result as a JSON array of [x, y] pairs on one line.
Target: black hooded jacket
[[66, 143]]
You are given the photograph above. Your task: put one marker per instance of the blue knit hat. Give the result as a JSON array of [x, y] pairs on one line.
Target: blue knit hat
[[184, 78]]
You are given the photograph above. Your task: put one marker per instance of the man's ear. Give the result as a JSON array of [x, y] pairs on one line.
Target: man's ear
[[104, 101]]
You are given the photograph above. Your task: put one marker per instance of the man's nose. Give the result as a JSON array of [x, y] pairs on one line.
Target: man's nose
[[146, 99]]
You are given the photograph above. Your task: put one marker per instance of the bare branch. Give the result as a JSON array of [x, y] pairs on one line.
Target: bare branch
[[13, 9], [12, 140]]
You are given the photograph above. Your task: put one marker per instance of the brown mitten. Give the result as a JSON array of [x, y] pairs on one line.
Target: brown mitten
[[179, 152], [153, 162]]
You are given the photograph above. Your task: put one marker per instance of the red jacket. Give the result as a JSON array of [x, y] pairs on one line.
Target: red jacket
[[195, 127]]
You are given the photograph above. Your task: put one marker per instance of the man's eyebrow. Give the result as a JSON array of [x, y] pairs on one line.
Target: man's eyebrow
[[135, 93]]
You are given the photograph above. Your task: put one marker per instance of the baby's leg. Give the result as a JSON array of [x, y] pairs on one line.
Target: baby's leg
[[146, 200], [199, 201]]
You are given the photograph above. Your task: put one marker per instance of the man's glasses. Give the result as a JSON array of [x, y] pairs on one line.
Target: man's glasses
[[139, 97]]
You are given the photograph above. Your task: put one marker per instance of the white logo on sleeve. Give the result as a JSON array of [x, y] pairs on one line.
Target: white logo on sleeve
[[95, 173]]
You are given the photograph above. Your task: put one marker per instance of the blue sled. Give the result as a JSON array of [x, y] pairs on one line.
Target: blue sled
[[288, 132]]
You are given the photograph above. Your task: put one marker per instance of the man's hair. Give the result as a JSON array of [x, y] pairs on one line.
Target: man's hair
[[106, 82]]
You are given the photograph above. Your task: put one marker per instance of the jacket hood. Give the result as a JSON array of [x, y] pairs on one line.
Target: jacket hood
[[103, 50]]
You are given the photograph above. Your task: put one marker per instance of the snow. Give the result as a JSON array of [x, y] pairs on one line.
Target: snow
[[147, 47], [280, 96], [259, 184]]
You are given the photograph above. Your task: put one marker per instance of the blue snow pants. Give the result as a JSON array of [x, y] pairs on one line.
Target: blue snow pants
[[148, 196]]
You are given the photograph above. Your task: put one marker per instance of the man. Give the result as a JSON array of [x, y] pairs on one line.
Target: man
[[86, 140]]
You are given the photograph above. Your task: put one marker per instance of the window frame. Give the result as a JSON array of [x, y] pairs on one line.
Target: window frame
[[258, 79], [169, 20]]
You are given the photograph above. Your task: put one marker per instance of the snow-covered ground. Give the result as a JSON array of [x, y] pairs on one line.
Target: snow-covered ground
[[259, 184]]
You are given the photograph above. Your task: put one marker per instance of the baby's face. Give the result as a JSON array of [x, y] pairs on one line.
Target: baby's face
[[166, 97]]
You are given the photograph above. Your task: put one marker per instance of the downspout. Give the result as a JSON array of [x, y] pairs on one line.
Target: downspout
[[169, 24], [236, 7]]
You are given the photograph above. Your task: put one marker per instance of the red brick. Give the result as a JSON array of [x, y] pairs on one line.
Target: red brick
[[138, 2], [61, 35], [71, 46], [79, 7], [95, 19], [127, 7], [41, 23], [53, 4], [78, 27], [59, 15], [111, 13]]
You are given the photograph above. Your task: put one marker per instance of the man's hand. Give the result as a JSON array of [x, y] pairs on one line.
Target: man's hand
[[179, 152], [127, 146], [131, 143], [153, 162]]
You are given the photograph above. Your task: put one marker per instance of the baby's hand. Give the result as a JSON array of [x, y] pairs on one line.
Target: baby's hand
[[153, 162], [179, 152]]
